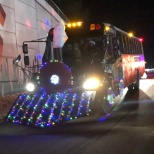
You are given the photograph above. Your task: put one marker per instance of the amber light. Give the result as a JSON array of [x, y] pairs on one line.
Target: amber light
[[69, 25], [74, 24], [79, 23], [107, 28], [130, 34]]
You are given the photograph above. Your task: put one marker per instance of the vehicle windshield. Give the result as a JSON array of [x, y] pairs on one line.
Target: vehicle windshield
[[81, 55]]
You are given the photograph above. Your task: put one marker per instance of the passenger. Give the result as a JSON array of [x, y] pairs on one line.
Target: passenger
[[77, 53], [68, 56]]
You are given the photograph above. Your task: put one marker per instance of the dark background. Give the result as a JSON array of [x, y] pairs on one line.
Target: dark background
[[135, 16]]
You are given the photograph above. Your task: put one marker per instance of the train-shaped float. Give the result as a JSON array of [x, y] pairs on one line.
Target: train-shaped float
[[80, 77]]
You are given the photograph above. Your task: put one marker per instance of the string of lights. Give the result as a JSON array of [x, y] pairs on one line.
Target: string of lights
[[48, 110]]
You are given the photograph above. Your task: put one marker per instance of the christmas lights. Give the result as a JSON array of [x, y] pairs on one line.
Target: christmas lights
[[42, 110]]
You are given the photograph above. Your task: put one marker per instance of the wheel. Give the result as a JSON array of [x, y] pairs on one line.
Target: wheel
[[105, 99], [108, 101], [135, 85], [121, 88]]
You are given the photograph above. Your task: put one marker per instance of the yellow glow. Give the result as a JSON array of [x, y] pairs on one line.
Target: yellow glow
[[69, 25], [74, 24], [107, 28], [79, 24], [91, 83], [130, 34], [92, 27]]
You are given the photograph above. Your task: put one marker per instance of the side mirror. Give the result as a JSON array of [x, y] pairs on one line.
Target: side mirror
[[17, 59], [26, 60], [25, 48]]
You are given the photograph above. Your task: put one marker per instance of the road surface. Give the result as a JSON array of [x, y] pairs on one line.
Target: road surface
[[129, 129]]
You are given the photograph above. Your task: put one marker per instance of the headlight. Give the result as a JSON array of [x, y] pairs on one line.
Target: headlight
[[91, 83], [54, 79], [30, 87]]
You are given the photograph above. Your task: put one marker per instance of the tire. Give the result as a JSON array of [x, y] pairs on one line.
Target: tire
[[121, 88], [136, 85], [104, 100]]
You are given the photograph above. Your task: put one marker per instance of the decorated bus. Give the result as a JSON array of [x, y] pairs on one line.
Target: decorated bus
[[85, 66]]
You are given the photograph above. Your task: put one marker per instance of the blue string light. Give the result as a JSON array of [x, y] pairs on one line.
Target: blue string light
[[42, 110]]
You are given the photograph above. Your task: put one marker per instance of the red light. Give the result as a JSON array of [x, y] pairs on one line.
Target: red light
[[98, 26], [140, 39]]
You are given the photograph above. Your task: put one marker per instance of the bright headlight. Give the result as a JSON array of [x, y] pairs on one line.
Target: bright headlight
[[30, 87], [91, 83], [54, 79]]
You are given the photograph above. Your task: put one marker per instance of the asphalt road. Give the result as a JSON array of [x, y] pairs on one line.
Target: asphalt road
[[129, 129]]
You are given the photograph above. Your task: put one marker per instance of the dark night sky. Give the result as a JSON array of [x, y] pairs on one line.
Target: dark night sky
[[129, 15]]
